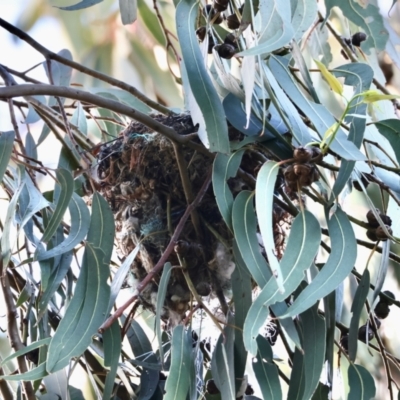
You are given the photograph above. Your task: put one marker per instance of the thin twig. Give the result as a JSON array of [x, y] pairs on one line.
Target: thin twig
[[13, 334], [49, 55]]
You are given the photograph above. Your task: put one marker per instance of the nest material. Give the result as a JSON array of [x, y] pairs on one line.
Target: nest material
[[140, 179]]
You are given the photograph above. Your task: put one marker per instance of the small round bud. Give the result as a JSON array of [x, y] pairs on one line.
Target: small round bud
[[226, 51], [381, 234], [357, 38], [231, 39], [365, 331], [220, 5], [303, 154], [387, 293], [233, 21], [382, 310]]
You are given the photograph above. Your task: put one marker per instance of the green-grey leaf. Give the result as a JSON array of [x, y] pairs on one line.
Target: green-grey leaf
[[79, 6], [366, 17], [177, 384], [361, 382], [222, 361], [265, 187], [6, 146], [80, 219], [34, 374], [128, 10], [66, 182], [119, 277], [79, 118], [200, 82], [245, 229], [390, 129], [321, 118], [242, 297], [225, 167], [266, 371], [358, 75], [112, 350], [161, 293], [277, 30], [302, 246], [25, 350], [356, 309], [304, 13], [86, 311], [339, 265]]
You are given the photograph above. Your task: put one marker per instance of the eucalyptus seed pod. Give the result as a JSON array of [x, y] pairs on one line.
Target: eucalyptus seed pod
[[302, 169], [203, 289], [357, 38], [302, 154], [220, 5], [365, 331], [233, 21], [372, 221], [210, 13], [383, 299], [226, 51], [380, 233], [382, 310], [317, 155], [371, 235], [201, 33], [231, 39]]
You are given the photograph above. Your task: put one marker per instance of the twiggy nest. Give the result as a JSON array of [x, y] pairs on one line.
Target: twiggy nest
[[140, 178]]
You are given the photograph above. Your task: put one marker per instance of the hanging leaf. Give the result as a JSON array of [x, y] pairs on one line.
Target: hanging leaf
[[80, 219], [362, 385], [34, 374], [390, 129], [128, 10], [302, 246], [266, 371], [277, 30], [6, 146], [304, 13], [112, 350], [358, 75], [79, 118], [340, 263], [177, 384], [222, 361], [225, 167], [66, 182], [200, 82], [265, 187], [244, 227], [161, 293], [356, 309]]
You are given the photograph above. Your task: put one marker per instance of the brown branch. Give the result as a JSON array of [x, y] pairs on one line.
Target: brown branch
[[13, 334], [5, 389], [99, 101], [49, 55], [160, 264]]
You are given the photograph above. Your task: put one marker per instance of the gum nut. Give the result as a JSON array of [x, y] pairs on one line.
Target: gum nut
[[388, 293], [302, 154], [373, 222], [201, 33], [357, 38], [380, 233], [233, 21], [226, 51], [371, 235], [203, 289], [219, 6], [362, 333], [317, 154], [231, 39], [302, 169], [344, 342], [289, 174], [382, 310]]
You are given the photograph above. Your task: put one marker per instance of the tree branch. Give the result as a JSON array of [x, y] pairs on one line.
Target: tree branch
[[49, 55], [99, 101]]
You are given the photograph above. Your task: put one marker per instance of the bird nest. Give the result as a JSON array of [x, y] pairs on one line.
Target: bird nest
[[140, 178]]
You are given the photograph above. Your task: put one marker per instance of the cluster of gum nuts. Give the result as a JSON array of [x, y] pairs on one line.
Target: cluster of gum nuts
[[365, 332], [303, 171], [213, 13], [375, 231]]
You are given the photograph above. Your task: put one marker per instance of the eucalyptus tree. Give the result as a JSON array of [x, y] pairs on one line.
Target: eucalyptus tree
[[234, 248]]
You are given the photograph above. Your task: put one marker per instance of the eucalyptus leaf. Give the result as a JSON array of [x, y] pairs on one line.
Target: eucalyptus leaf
[[338, 266], [112, 350], [199, 80], [356, 309], [81, 5], [6, 146], [362, 385]]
